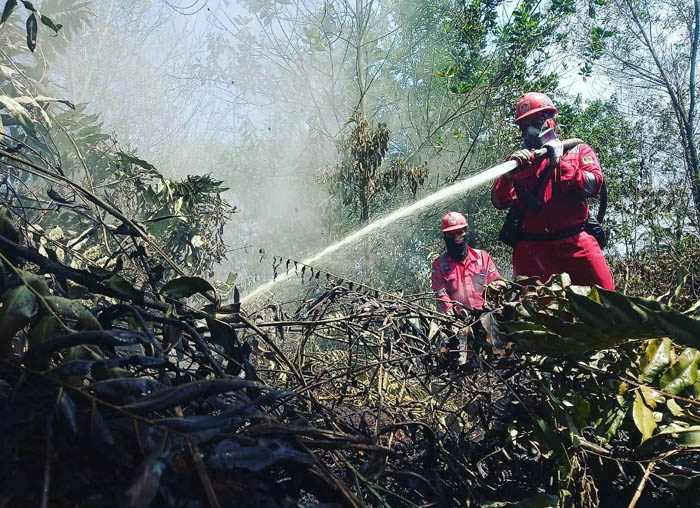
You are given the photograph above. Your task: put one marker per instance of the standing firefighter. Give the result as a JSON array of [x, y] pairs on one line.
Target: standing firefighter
[[461, 274], [548, 201]]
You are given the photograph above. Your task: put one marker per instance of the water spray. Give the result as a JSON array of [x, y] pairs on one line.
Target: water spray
[[443, 194]]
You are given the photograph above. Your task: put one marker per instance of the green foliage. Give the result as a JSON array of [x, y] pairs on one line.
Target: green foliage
[[601, 388], [501, 55], [651, 49], [190, 214], [560, 319], [185, 287], [657, 357], [18, 306], [32, 24], [649, 204], [361, 179], [186, 218], [615, 384]]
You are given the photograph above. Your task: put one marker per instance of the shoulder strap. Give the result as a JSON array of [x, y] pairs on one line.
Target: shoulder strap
[[542, 179], [445, 263], [603, 206], [531, 199]]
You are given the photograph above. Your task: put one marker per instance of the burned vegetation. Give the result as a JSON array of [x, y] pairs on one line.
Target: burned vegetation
[[348, 397]]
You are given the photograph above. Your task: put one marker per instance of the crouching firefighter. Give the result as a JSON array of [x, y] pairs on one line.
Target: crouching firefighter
[[460, 275], [548, 224]]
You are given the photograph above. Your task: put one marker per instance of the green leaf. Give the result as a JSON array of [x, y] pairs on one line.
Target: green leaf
[[32, 27], [693, 309], [673, 406], [683, 436], [124, 288], [611, 423], [690, 438], [28, 99], [18, 306], [44, 329], [682, 279], [657, 357], [643, 417], [48, 22], [70, 309], [77, 291], [36, 282], [590, 311], [43, 98], [7, 73], [125, 158], [651, 397], [221, 333], [9, 7], [103, 272], [550, 438], [683, 373], [19, 112], [184, 287], [582, 410]]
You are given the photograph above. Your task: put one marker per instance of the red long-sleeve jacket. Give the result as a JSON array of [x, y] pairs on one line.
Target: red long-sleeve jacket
[[564, 205], [462, 283]]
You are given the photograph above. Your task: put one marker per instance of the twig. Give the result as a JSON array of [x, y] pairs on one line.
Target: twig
[[276, 349], [203, 476], [47, 462], [642, 483]]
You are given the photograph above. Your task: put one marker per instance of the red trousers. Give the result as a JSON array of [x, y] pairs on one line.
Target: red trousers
[[579, 256]]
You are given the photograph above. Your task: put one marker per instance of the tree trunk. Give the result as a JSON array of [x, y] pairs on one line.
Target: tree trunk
[[361, 56], [693, 163]]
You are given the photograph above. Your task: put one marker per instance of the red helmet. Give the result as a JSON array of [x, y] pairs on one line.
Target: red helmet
[[532, 103], [453, 221]]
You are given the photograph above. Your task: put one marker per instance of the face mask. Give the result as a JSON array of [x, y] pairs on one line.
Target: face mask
[[534, 137], [458, 251]]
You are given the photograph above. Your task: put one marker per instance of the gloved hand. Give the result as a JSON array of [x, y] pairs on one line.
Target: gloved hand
[[523, 157], [555, 149]]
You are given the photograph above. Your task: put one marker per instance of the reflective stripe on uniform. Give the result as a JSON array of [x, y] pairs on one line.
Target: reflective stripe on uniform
[[589, 184]]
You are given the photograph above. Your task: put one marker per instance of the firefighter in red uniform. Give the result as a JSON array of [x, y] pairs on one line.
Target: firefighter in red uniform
[[552, 239], [461, 274]]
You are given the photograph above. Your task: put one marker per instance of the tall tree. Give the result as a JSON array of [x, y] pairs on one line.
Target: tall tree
[[651, 48]]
